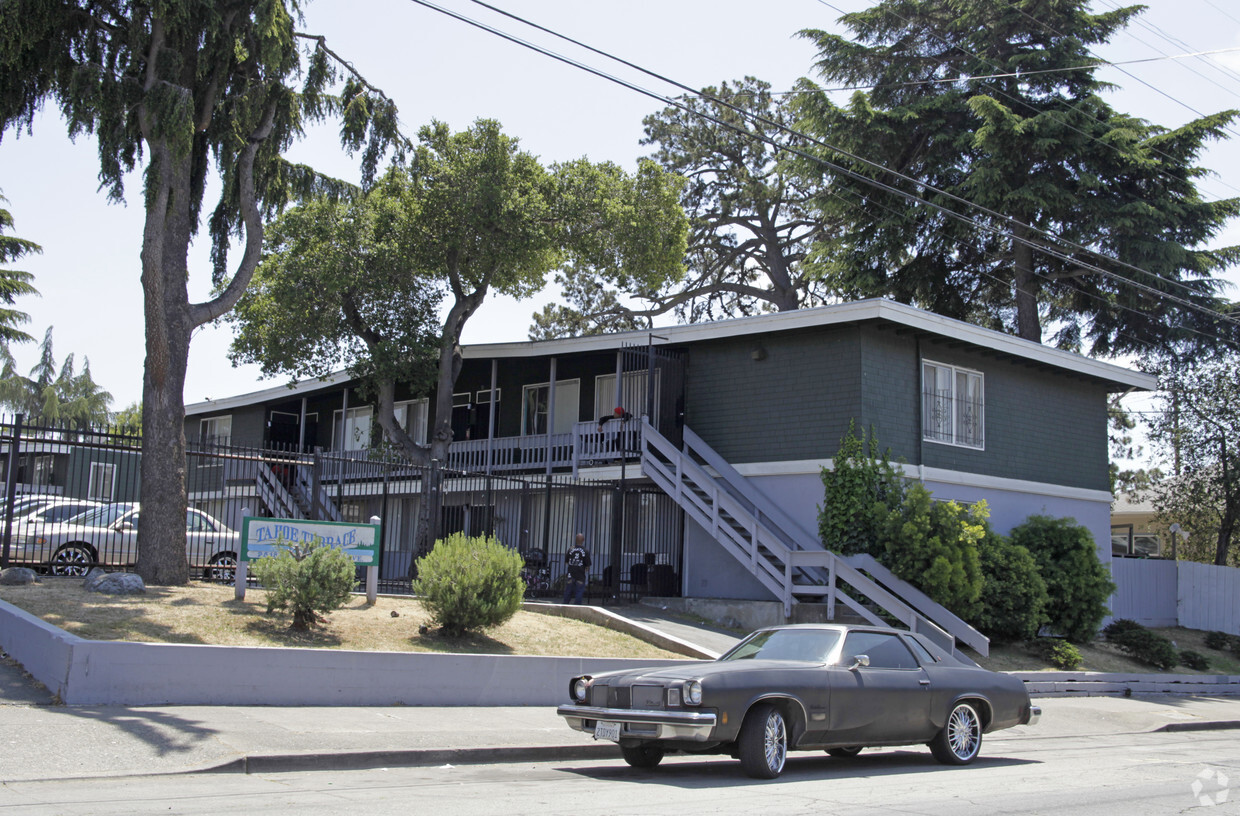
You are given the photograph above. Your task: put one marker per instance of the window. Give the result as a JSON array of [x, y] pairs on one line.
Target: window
[[952, 405], [102, 482], [413, 417], [216, 431], [353, 433], [633, 397], [536, 401], [885, 651], [43, 469]]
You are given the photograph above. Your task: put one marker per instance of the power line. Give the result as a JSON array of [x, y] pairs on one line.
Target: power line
[[840, 169]]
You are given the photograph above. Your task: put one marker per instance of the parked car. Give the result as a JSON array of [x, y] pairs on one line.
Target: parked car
[[31, 514], [838, 688], [108, 535]]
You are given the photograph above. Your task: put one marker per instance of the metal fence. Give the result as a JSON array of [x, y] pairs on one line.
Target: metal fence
[[634, 532]]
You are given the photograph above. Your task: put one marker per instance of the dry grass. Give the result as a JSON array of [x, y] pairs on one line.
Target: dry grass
[[1101, 656], [206, 614]]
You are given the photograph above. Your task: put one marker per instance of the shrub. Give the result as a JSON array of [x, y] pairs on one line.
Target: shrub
[[470, 583], [1220, 641], [860, 489], [1013, 600], [1077, 584], [1195, 660], [933, 545], [1059, 653], [1146, 646], [308, 579]]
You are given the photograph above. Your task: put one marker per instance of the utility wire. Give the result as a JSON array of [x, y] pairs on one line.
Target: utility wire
[[1058, 255]]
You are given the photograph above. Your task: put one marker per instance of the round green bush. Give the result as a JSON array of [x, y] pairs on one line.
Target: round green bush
[[1146, 646], [1195, 660], [1059, 653], [1013, 601], [1077, 583], [469, 583], [308, 579], [1220, 641], [933, 545]]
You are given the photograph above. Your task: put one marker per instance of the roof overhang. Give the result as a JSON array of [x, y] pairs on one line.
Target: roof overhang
[[861, 311]]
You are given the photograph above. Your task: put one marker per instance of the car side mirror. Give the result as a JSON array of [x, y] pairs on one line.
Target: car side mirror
[[859, 662]]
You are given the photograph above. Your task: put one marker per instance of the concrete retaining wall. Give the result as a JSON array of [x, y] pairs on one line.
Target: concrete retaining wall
[[1092, 684], [92, 672]]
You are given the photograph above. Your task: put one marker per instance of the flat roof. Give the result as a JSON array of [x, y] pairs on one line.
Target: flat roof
[[838, 314]]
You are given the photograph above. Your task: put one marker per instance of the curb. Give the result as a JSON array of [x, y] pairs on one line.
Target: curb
[[1221, 725], [370, 760]]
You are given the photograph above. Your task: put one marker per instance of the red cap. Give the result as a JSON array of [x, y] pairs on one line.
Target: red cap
[[619, 410]]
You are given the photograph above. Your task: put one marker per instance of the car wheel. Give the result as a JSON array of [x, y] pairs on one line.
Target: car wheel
[[844, 753], [222, 568], [74, 560], [961, 738], [642, 756], [763, 742]]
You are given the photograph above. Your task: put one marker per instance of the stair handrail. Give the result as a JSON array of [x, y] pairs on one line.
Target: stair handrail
[[885, 597]]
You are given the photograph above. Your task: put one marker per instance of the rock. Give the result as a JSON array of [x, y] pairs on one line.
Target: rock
[[18, 576], [119, 583], [91, 582], [395, 614]]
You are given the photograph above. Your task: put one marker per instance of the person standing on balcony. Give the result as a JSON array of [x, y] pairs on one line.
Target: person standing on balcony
[[578, 561]]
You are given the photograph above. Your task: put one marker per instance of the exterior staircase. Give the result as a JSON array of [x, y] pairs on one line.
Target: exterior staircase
[[291, 496], [783, 556]]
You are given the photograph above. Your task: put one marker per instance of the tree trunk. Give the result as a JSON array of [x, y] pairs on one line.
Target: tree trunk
[[1025, 282], [165, 250]]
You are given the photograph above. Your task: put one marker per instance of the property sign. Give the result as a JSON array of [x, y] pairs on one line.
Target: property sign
[[261, 537]]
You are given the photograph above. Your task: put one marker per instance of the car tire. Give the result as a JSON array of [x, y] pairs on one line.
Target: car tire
[[643, 755], [72, 560], [961, 738], [222, 568], [763, 742], [844, 753]]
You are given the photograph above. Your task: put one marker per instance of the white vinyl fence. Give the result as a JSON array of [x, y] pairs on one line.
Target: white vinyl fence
[[1176, 593]]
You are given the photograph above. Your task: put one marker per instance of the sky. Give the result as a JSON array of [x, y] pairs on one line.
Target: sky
[[439, 68]]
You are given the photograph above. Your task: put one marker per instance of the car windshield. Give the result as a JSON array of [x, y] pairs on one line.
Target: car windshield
[[101, 516], [813, 645]]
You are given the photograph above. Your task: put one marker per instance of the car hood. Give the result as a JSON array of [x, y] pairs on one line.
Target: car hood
[[696, 671]]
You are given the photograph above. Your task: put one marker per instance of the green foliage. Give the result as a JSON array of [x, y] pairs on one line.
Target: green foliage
[[1194, 660], [1014, 598], [13, 283], [1220, 641], [1022, 130], [1198, 428], [749, 228], [860, 490], [128, 420], [1077, 584], [470, 583], [68, 397], [1146, 646], [308, 579], [933, 545], [1059, 653]]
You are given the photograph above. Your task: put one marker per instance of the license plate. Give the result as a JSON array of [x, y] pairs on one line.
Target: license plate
[[607, 731]]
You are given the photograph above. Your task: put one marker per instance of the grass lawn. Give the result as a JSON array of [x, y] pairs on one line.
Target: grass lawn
[[209, 614]]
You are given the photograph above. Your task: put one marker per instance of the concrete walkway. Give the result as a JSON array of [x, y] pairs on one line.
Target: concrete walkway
[[40, 740]]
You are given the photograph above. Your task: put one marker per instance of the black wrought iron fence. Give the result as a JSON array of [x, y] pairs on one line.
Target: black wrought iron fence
[[72, 501]]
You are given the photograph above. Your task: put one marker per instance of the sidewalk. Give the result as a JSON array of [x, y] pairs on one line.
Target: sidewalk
[[45, 741]]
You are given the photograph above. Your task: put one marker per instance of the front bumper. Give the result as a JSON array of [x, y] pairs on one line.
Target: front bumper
[[643, 723]]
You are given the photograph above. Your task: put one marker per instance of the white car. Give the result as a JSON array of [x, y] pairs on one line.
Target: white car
[[33, 512], [108, 535]]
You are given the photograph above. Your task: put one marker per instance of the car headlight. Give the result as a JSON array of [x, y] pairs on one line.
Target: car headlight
[[579, 688], [692, 693]]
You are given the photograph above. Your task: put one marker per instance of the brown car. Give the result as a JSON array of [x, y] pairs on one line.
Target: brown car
[[838, 688]]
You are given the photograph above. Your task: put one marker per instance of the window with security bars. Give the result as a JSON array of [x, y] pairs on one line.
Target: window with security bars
[[952, 405]]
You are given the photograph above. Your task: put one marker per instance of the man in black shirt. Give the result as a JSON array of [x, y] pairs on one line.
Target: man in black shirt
[[578, 561]]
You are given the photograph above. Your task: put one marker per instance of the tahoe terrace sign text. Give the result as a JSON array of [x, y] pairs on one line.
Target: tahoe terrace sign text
[[261, 537]]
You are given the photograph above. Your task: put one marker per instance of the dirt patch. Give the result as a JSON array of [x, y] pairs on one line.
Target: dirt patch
[[207, 614]]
